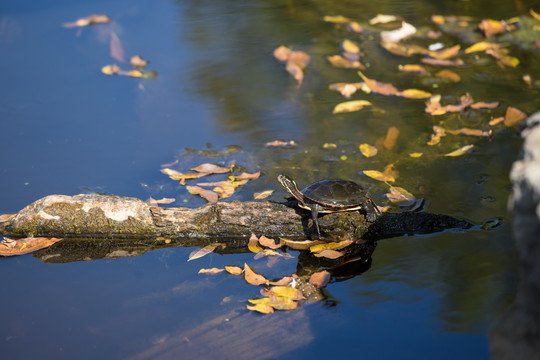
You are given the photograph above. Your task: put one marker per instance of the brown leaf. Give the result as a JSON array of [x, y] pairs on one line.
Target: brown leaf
[[320, 279], [492, 27], [391, 138], [234, 270], [11, 247], [264, 241], [208, 195], [248, 176], [282, 53], [196, 254], [448, 74], [299, 245], [295, 70], [344, 89], [513, 116], [211, 169], [379, 87], [438, 133], [341, 62], [445, 53], [403, 49], [155, 202], [329, 254], [252, 277], [471, 132]]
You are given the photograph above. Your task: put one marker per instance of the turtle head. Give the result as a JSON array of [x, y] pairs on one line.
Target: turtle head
[[288, 183]]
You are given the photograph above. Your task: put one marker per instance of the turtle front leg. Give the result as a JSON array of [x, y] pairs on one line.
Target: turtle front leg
[[314, 215], [371, 210]]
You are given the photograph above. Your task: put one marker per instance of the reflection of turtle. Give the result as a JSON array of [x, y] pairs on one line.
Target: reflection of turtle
[[328, 196]]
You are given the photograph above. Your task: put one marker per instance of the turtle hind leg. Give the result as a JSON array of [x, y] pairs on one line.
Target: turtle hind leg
[[371, 210], [314, 215]]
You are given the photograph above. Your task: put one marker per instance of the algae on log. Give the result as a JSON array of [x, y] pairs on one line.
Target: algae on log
[[113, 217]]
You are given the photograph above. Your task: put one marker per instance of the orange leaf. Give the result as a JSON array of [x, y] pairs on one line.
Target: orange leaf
[[471, 132], [496, 121], [448, 74], [377, 175], [444, 54], [414, 94], [264, 241], [391, 138], [534, 14], [320, 279], [329, 254], [263, 194], [379, 87], [252, 277], [248, 176], [513, 116], [10, 247], [412, 68], [208, 195], [282, 282]]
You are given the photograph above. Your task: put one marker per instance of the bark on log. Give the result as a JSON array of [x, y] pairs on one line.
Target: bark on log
[[116, 217]]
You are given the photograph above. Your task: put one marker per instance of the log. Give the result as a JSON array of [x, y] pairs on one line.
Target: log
[[116, 217]]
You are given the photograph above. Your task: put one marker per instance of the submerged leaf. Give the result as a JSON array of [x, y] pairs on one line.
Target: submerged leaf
[[399, 194], [350, 106], [461, 151], [391, 138]]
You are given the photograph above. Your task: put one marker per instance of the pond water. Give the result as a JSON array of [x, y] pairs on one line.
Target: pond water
[[67, 129]]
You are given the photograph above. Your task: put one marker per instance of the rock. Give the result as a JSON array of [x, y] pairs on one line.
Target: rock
[[516, 335]]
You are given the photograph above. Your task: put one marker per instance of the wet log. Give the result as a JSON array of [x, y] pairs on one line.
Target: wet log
[[116, 217]]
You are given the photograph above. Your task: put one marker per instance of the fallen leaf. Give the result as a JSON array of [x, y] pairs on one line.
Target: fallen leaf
[[350, 47], [399, 194], [196, 254], [379, 87], [461, 151], [263, 194], [266, 252], [248, 176], [296, 71], [282, 282], [116, 48], [534, 14], [329, 254], [492, 27], [89, 20], [412, 68], [320, 279], [282, 53], [414, 94], [344, 89], [336, 19], [471, 132], [155, 202], [253, 244], [403, 49], [406, 30], [284, 291], [276, 302], [264, 241], [211, 271], [377, 175], [416, 154], [262, 308], [252, 277], [445, 54], [208, 168], [11, 247], [479, 46], [496, 121], [383, 19], [485, 105], [281, 143], [234, 270], [390, 140], [355, 27], [449, 75], [443, 62], [350, 106], [299, 245], [330, 246], [208, 195], [513, 116], [368, 150], [341, 62], [138, 62], [110, 69]]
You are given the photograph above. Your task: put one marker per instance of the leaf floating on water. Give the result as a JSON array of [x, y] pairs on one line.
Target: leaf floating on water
[[208, 195], [438, 133], [320, 279], [445, 54], [379, 87], [471, 132], [330, 246], [383, 19], [485, 105], [138, 62], [449, 75], [211, 271], [196, 254], [281, 143], [534, 14], [263, 194], [284, 292], [155, 202], [208, 168], [234, 270], [299, 245], [89, 20], [399, 194], [266, 252], [248, 176], [350, 47], [11, 247], [412, 68], [110, 69], [416, 154], [282, 282], [368, 150], [350, 106], [414, 94], [492, 27], [341, 62], [336, 19], [443, 62], [262, 308], [347, 90], [496, 121], [295, 61], [270, 243], [329, 254], [513, 116], [252, 277], [377, 175], [253, 244], [461, 151]]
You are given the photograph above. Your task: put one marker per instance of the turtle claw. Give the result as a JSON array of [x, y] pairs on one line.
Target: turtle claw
[[371, 210]]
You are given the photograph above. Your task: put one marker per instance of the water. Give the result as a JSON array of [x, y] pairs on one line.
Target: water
[[66, 128]]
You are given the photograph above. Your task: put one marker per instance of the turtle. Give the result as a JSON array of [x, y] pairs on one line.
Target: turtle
[[328, 196]]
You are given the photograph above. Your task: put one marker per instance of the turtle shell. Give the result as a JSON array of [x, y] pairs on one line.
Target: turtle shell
[[335, 194]]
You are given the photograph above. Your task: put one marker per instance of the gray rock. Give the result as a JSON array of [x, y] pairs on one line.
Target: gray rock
[[516, 335]]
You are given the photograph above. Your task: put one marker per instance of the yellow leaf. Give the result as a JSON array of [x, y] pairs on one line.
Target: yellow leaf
[[368, 150], [336, 19], [262, 308], [349, 106], [398, 194], [350, 47], [461, 151], [479, 46], [263, 194], [110, 69], [377, 175], [412, 68], [196, 254], [135, 73], [329, 146], [211, 271], [330, 246], [448, 74], [234, 270], [253, 244], [513, 116], [264, 241], [534, 14], [284, 292], [414, 94], [416, 154]]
